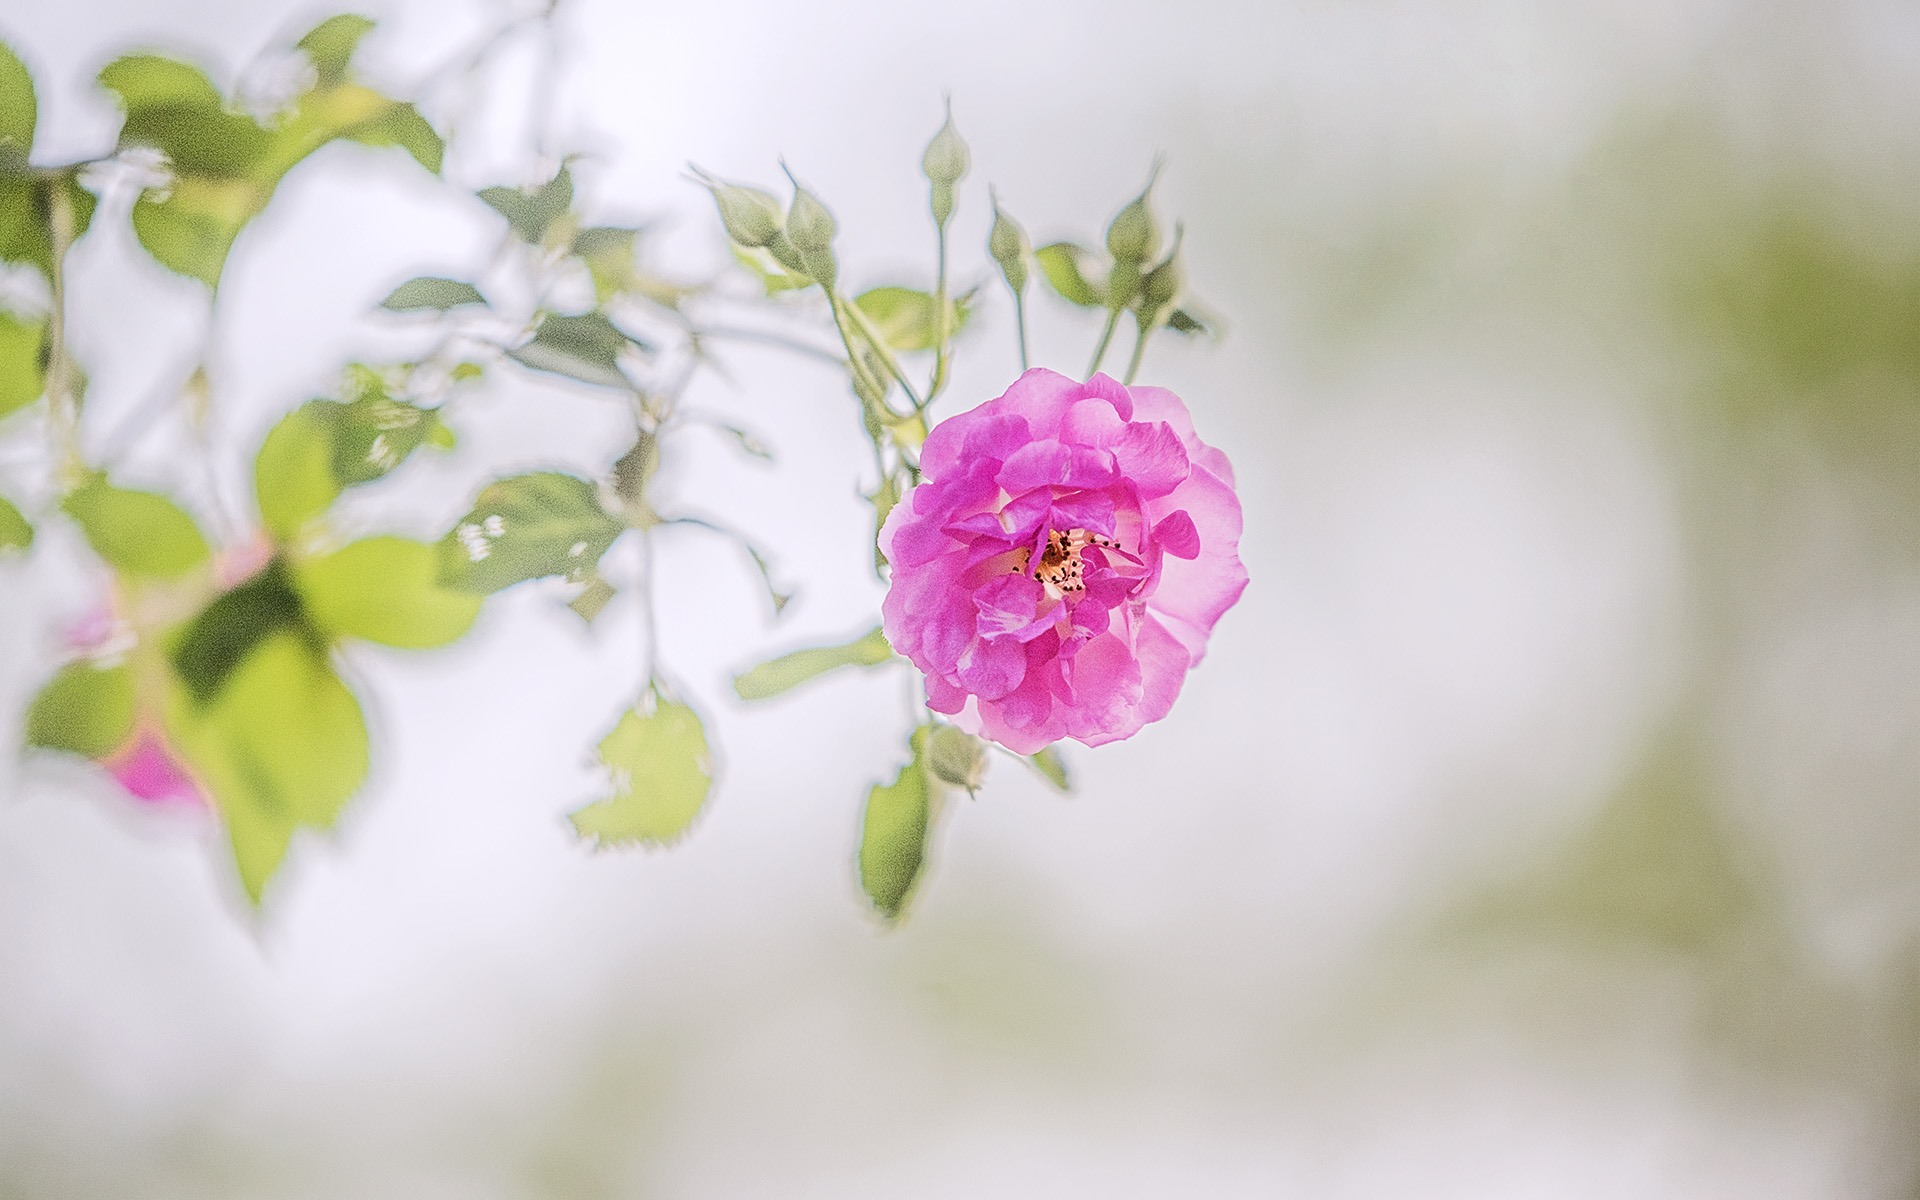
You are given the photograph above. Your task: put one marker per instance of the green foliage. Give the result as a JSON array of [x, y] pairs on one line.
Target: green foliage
[[956, 757], [141, 534], [86, 709], [909, 320], [593, 598], [281, 745], [294, 478], [661, 773], [27, 199], [1065, 267], [1051, 767], [208, 649], [384, 590], [18, 109], [22, 373], [893, 839], [225, 164], [586, 347], [532, 212], [524, 527], [15, 532], [791, 670], [773, 277], [373, 433], [431, 293]]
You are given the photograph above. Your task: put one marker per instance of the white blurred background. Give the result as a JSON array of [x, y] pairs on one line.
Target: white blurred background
[[1544, 822]]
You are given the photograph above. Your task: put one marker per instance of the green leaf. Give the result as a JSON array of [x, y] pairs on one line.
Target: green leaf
[[791, 670], [893, 839], [530, 212], [22, 373], [281, 746], [657, 756], [593, 599], [521, 528], [385, 590], [208, 649], [373, 433], [293, 476], [402, 125], [907, 319], [608, 253], [137, 533], [773, 277], [1193, 323], [1065, 267], [1051, 767], [586, 347], [883, 499], [331, 44], [191, 228], [85, 709], [15, 532], [956, 757], [18, 109], [26, 214], [155, 81], [173, 107], [431, 292]]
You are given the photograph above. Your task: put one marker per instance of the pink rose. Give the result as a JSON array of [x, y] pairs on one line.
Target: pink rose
[[1063, 560]]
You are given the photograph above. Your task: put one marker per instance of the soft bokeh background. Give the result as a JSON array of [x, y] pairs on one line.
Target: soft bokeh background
[[1545, 821]]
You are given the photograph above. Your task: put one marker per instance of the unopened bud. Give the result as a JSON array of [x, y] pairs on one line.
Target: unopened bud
[[1007, 243], [810, 230], [750, 216], [1161, 287], [1134, 236], [945, 164], [956, 757]]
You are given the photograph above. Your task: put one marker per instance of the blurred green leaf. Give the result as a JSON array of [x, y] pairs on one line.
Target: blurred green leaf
[[137, 533], [22, 373], [593, 598], [400, 124], [1192, 322], [883, 499], [1052, 767], [384, 590], [373, 433], [281, 746], [907, 319], [1067, 268], [521, 528], [208, 649], [330, 45], [586, 347], [956, 757], [657, 756], [26, 213], [294, 478], [531, 212], [893, 839], [431, 292], [791, 670], [191, 228], [18, 109], [15, 532], [773, 277], [608, 253], [145, 81], [86, 709]]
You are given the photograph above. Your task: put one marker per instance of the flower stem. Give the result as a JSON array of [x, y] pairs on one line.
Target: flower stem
[[885, 353], [941, 332], [1020, 326], [62, 403], [1106, 335], [1139, 351]]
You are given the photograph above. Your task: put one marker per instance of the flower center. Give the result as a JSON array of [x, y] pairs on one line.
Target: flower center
[[1061, 568]]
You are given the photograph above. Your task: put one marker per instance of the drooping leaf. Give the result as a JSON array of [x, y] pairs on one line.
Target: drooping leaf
[[661, 772], [530, 212], [208, 649], [524, 527], [138, 533], [1051, 767], [586, 347], [86, 709], [294, 479], [15, 532], [791, 670], [282, 746], [385, 590], [18, 109], [430, 292], [907, 319], [22, 374], [1070, 270], [893, 838], [330, 45], [956, 757]]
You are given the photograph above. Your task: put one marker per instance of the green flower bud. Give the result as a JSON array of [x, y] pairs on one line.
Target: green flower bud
[[1134, 236], [1163, 286], [810, 230], [956, 757], [1007, 243], [945, 164], [751, 217]]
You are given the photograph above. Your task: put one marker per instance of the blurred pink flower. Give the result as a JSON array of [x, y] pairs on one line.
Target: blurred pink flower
[[146, 768], [1063, 561]]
